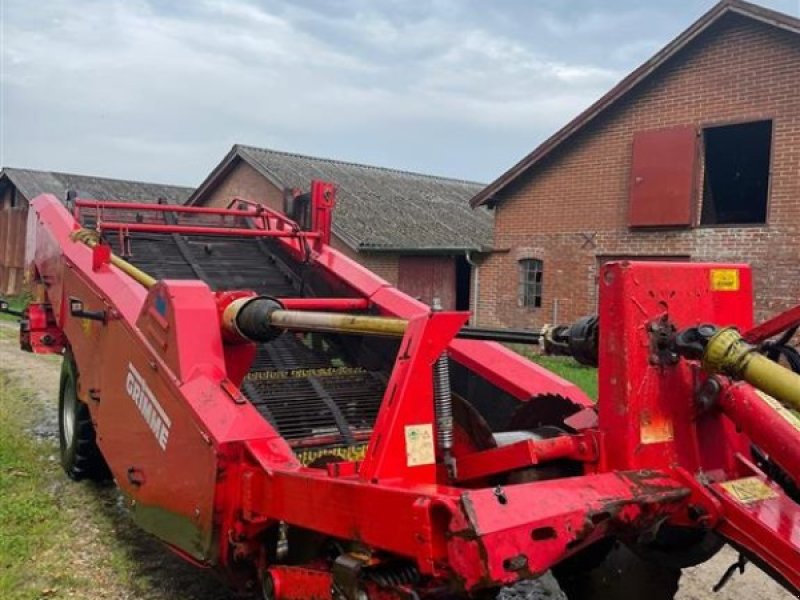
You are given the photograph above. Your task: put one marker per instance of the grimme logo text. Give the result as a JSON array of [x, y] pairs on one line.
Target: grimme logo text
[[152, 412]]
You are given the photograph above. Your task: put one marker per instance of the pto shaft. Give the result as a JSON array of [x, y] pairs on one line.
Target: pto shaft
[[260, 319], [726, 352]]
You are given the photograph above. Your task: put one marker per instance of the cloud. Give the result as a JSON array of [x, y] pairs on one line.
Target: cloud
[[160, 90]]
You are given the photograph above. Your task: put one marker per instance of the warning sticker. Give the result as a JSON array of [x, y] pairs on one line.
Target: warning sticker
[[724, 280], [419, 445], [349, 453], [655, 428], [786, 414], [748, 490]]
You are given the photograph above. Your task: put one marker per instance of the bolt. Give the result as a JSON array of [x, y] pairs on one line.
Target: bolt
[[696, 512], [706, 331]]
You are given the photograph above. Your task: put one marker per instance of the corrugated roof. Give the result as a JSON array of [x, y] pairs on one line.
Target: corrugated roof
[[31, 183], [377, 209], [491, 193]]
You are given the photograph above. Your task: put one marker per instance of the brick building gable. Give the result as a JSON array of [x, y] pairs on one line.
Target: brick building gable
[[571, 209]]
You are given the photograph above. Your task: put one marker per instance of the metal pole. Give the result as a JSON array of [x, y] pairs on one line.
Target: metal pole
[[302, 320]]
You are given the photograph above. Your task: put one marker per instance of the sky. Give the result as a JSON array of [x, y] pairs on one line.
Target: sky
[[160, 90]]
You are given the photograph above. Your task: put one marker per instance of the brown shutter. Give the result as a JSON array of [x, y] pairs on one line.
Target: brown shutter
[[662, 188]]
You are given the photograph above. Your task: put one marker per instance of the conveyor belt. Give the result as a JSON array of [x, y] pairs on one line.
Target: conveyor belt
[[307, 393]]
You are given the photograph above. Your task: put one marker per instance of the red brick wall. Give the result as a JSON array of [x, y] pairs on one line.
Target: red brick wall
[[736, 71], [382, 264], [243, 181]]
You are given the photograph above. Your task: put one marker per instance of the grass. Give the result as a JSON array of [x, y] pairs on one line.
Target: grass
[[59, 539], [43, 526], [15, 303], [582, 376], [30, 518]]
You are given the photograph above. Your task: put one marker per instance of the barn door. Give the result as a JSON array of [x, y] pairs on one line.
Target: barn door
[[663, 177], [428, 277]]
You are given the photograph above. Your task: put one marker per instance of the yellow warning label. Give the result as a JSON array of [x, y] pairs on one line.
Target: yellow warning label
[[724, 280], [303, 373], [655, 428], [419, 445], [786, 414], [748, 490], [350, 453]]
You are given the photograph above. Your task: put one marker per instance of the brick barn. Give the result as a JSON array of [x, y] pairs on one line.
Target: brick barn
[[416, 231], [694, 156], [19, 186]]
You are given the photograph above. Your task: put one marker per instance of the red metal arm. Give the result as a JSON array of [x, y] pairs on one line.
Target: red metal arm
[[774, 326], [199, 230]]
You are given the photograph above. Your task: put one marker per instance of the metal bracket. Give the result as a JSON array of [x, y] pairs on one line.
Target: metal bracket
[[347, 578], [76, 310]]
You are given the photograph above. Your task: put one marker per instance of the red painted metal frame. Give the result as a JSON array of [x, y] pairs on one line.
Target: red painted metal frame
[[331, 304], [300, 583], [39, 332], [648, 417], [172, 208], [525, 454], [203, 230], [775, 432], [323, 201], [221, 476], [774, 326]]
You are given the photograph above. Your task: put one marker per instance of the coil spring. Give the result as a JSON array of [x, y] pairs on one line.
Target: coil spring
[[392, 575], [443, 402]]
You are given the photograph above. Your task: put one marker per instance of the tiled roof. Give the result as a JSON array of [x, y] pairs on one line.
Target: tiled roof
[[378, 209], [31, 183]]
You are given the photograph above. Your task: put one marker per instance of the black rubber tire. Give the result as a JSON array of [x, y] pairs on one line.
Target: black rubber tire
[[542, 588], [622, 575], [80, 457]]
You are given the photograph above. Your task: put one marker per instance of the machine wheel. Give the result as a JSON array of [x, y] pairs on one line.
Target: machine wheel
[[542, 588], [80, 456], [620, 576]]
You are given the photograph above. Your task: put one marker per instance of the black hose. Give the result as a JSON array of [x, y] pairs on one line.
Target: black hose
[[780, 348]]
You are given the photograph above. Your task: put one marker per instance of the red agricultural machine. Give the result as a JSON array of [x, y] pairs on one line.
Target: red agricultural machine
[[271, 409]]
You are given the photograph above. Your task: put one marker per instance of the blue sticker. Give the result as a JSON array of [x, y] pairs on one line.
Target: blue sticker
[[161, 305]]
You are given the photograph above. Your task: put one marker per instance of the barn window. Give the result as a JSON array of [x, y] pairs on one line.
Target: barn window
[[736, 183], [530, 282]]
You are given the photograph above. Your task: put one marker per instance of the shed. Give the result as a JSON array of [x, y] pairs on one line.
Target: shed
[[416, 231], [19, 186]]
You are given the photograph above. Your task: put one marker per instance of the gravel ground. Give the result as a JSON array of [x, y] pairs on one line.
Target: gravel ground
[[156, 574]]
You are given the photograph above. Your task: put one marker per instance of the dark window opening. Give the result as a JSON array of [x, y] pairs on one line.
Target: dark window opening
[[530, 282], [463, 281], [13, 197], [736, 182]]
